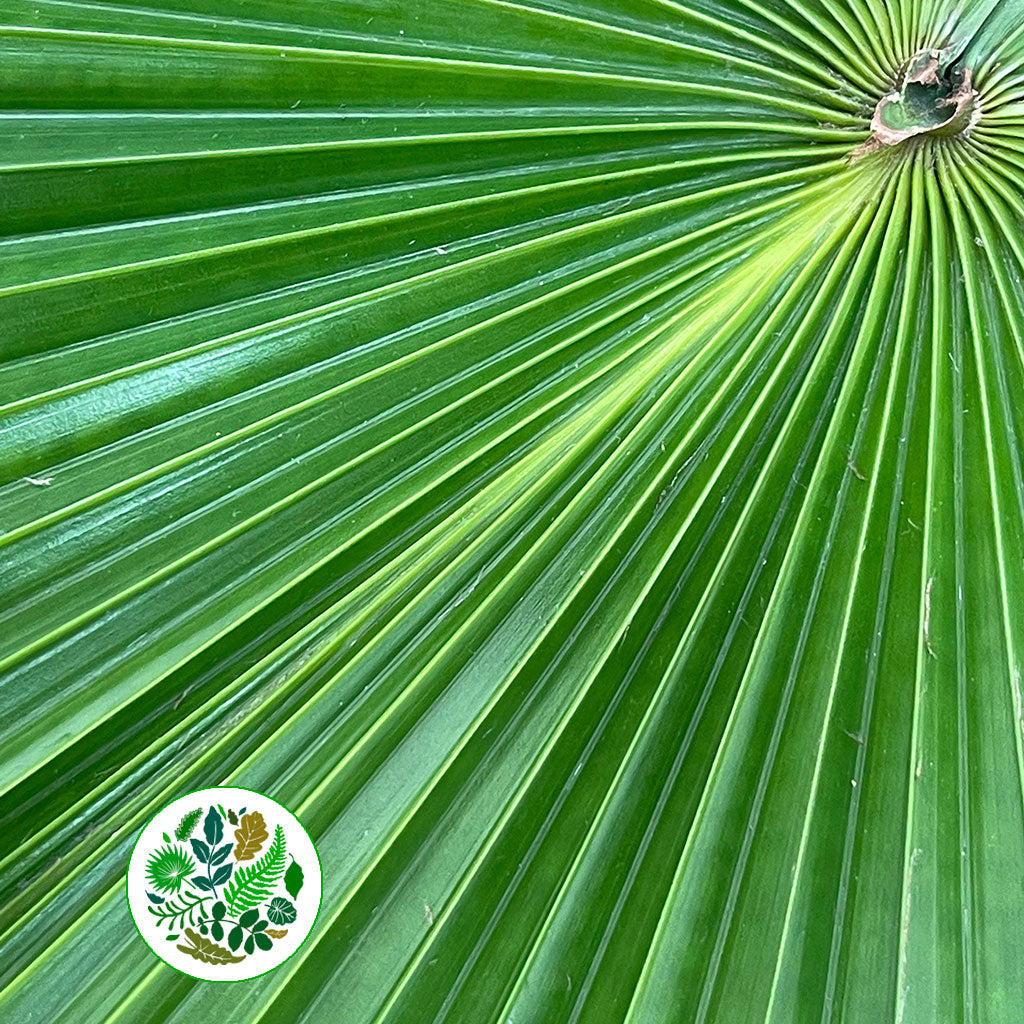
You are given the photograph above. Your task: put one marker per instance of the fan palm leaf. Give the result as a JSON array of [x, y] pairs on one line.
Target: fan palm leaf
[[567, 451], [168, 867]]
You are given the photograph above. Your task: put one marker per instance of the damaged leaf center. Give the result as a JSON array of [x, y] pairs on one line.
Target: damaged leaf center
[[932, 97]]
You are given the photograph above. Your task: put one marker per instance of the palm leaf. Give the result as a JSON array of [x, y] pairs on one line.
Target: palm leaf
[[557, 450]]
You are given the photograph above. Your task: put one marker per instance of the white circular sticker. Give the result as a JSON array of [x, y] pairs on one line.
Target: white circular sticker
[[224, 884]]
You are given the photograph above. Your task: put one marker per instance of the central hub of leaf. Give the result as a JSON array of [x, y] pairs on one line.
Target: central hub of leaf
[[932, 97]]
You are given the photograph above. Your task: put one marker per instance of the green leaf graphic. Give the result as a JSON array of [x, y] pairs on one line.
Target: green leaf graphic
[[222, 874], [174, 913], [188, 824], [293, 879], [168, 867], [252, 884], [221, 854], [213, 826], [281, 911]]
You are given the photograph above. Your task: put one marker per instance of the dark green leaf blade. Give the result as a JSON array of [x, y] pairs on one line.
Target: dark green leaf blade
[[293, 879]]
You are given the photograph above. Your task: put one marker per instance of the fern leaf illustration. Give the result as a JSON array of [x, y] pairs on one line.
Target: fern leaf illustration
[[254, 883], [174, 912], [187, 824]]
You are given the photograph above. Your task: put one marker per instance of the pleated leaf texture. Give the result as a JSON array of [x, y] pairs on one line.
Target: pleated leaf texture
[[567, 451]]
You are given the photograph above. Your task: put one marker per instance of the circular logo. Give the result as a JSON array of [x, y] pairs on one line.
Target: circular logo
[[224, 884]]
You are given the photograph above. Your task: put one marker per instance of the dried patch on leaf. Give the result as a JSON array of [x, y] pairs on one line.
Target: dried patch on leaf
[[933, 97]]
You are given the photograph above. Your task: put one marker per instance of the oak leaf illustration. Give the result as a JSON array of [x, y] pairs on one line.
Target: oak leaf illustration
[[207, 950], [251, 835]]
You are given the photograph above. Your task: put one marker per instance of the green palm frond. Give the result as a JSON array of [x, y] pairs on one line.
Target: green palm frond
[[569, 452], [168, 867]]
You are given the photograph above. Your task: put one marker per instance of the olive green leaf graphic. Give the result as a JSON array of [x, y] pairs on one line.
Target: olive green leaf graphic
[[254, 883], [207, 950], [187, 824], [277, 933], [167, 868], [281, 911], [251, 836]]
